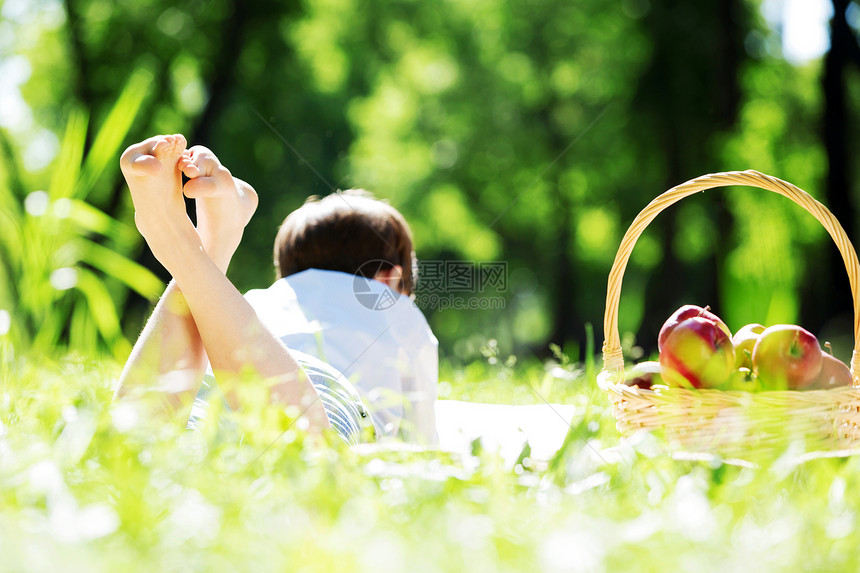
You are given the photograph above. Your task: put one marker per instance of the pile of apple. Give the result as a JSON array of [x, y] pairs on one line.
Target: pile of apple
[[697, 350]]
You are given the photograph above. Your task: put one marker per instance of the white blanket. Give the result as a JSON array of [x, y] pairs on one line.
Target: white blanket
[[503, 428]]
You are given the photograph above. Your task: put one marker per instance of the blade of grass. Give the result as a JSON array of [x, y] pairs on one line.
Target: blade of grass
[[133, 275], [105, 148], [103, 311], [68, 164], [92, 220], [590, 374]]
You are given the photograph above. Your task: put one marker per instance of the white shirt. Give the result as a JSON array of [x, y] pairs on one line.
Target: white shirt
[[376, 337]]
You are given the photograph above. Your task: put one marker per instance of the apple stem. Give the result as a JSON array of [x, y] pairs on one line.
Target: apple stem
[[828, 347], [795, 348]]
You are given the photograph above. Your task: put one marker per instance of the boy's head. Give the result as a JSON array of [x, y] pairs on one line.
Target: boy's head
[[348, 231]]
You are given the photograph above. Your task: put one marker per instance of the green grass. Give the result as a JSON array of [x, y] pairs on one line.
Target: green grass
[[89, 486]]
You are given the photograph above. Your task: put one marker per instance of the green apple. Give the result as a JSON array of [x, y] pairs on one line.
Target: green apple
[[742, 379], [744, 342]]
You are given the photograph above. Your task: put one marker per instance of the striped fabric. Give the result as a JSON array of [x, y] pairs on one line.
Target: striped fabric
[[342, 404]]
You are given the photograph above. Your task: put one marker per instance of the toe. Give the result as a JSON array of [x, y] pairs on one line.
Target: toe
[[190, 169], [163, 146], [201, 151], [208, 165], [138, 159], [206, 161], [145, 165], [131, 153], [169, 147], [200, 187]]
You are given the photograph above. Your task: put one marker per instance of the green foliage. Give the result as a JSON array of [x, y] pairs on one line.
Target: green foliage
[[528, 133], [484, 123], [65, 264], [491, 122], [86, 485], [777, 135]]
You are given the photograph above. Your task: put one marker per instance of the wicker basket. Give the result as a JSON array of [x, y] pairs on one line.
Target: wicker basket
[[732, 422]]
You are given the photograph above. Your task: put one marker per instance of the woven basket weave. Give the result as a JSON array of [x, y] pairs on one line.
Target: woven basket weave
[[732, 422]]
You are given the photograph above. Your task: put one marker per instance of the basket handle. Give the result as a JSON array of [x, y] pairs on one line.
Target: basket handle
[[613, 360]]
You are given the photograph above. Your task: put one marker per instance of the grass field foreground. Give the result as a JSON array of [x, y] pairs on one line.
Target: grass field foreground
[[86, 485]]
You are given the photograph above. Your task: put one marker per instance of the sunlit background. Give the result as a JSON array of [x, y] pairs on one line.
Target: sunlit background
[[522, 134], [528, 135]]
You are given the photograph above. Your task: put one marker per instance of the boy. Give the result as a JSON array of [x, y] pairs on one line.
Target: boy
[[345, 266], [202, 319]]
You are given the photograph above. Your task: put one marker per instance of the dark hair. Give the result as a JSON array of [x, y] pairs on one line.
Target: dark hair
[[348, 231]]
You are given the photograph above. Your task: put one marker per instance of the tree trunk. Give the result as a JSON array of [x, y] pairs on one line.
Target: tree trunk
[[829, 296]]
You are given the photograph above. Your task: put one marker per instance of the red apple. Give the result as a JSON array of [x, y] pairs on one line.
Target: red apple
[[787, 356], [833, 373], [744, 341], [682, 314], [697, 353], [644, 375]]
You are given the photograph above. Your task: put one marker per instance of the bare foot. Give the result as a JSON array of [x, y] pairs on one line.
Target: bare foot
[[224, 204], [151, 169], [154, 157]]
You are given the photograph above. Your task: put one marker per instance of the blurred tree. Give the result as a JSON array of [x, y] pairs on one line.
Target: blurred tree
[[773, 244], [512, 121], [63, 263], [529, 133], [840, 192], [782, 266], [843, 51], [686, 101]]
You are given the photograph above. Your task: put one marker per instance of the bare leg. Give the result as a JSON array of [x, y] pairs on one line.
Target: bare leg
[[230, 331], [224, 204], [169, 349], [151, 169]]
